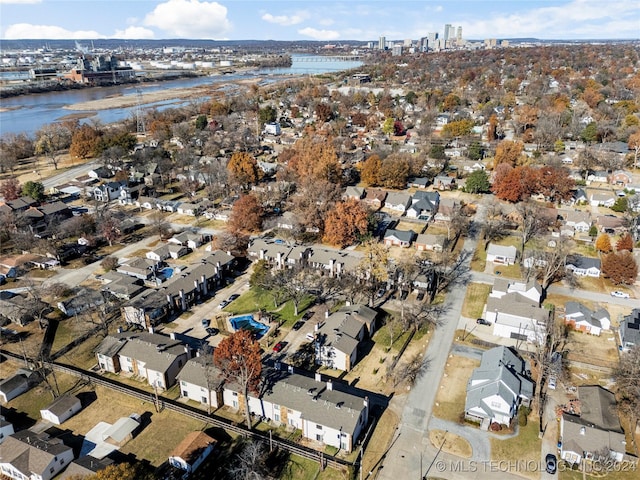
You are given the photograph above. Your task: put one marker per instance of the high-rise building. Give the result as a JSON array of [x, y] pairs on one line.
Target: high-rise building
[[432, 36], [459, 34], [397, 50], [449, 32], [382, 43]]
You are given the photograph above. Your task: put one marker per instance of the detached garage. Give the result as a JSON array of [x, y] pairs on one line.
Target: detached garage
[[62, 409]]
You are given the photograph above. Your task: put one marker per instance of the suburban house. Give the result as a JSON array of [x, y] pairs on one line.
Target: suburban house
[[84, 466], [446, 210], [186, 208], [444, 182], [531, 289], [83, 299], [338, 336], [374, 198], [498, 387], [602, 200], [142, 268], [620, 177], [192, 451], [599, 176], [121, 286], [629, 330], [501, 254], [517, 317], [583, 266], [26, 455], [287, 221], [190, 240], [354, 192], [20, 308], [430, 242], [578, 220], [150, 356], [107, 191], [398, 238], [201, 381], [17, 384], [398, 202], [63, 408], [129, 195], [579, 196], [147, 203], [580, 318], [595, 430], [325, 412], [424, 205], [171, 250], [418, 182], [610, 224]]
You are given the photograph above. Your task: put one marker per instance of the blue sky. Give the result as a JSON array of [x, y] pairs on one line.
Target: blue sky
[[326, 20]]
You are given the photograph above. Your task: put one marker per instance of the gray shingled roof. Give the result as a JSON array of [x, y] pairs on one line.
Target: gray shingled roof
[[158, 352], [630, 327], [31, 452], [598, 407], [62, 404], [334, 408], [195, 370]]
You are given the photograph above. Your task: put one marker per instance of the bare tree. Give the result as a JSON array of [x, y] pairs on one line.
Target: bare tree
[[249, 463], [627, 376], [297, 284], [494, 225], [409, 371], [532, 221], [159, 224], [549, 265]]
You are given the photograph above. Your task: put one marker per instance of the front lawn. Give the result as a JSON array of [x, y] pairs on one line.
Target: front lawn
[[523, 448], [474, 300], [452, 392], [256, 299]]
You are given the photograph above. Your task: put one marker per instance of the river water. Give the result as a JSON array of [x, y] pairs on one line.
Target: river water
[[28, 113]]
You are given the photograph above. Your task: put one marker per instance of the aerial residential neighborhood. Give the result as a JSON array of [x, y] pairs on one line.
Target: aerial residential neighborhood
[[422, 265]]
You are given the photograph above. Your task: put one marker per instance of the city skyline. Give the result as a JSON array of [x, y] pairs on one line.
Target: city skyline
[[329, 21]]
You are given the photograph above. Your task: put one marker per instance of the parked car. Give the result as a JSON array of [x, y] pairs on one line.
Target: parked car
[[233, 297], [420, 296], [552, 383], [298, 325], [310, 336], [380, 292], [552, 463], [278, 347], [213, 331], [619, 294], [205, 322], [482, 321], [223, 304]]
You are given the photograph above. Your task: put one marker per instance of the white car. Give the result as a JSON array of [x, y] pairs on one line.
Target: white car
[[552, 383], [619, 294]]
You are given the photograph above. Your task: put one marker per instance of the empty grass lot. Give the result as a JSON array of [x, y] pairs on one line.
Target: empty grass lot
[[474, 300], [524, 447], [452, 392]]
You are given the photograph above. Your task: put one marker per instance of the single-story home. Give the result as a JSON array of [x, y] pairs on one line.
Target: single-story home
[[192, 451], [501, 254], [583, 266], [580, 318], [430, 242], [398, 238]]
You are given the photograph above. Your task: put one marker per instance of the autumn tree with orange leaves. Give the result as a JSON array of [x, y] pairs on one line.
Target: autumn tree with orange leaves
[[246, 215], [620, 267], [625, 243], [314, 156], [243, 169], [370, 171], [238, 358], [346, 223], [603, 243], [509, 152]]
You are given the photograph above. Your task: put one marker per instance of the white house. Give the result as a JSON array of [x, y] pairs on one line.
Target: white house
[[531, 290], [583, 319], [578, 220], [192, 451], [498, 387], [325, 412], [501, 254], [398, 202], [17, 384], [26, 455], [517, 317], [583, 266], [63, 408], [201, 382], [602, 200]]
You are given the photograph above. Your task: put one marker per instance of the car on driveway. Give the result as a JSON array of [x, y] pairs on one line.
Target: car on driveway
[[552, 383], [223, 304], [233, 297], [213, 331], [298, 325], [205, 322], [552, 463], [482, 321], [278, 347], [619, 294]]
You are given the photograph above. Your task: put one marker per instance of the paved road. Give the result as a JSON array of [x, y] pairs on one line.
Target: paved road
[[68, 175]]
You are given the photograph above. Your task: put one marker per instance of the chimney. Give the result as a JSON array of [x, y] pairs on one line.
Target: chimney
[[197, 353], [326, 314], [196, 286], [318, 377], [229, 253], [366, 402], [151, 329], [316, 327], [329, 385], [168, 299], [172, 335], [183, 301], [203, 279], [290, 368], [119, 329], [348, 303]]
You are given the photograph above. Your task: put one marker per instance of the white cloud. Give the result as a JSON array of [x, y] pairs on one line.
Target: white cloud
[[578, 18], [134, 33], [319, 34], [53, 32], [286, 20], [20, 1], [190, 19]]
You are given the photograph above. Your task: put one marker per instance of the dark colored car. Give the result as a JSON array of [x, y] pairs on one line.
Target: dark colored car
[[233, 297], [298, 325], [279, 346], [552, 463], [213, 331], [420, 296], [482, 321], [380, 292]]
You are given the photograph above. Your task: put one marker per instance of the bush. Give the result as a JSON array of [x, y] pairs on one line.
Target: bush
[[109, 263]]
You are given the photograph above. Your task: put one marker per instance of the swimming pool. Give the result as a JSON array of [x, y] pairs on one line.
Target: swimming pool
[[246, 322], [165, 274]]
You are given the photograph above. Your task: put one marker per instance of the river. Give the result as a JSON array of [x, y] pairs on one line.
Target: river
[[28, 113]]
